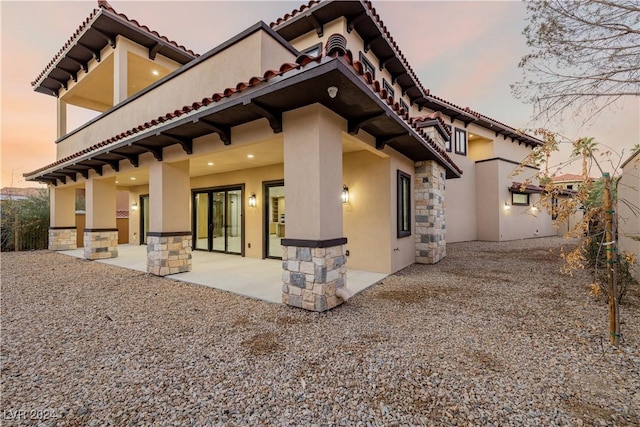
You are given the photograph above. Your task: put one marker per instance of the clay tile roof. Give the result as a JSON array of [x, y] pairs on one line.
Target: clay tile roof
[[102, 5], [568, 177]]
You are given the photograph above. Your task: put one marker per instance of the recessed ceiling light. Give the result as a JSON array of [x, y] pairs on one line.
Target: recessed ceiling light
[[133, 178], [470, 135], [210, 163], [116, 182], [250, 156], [155, 72]]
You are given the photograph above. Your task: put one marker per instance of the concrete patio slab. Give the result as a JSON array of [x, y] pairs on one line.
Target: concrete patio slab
[[254, 278]]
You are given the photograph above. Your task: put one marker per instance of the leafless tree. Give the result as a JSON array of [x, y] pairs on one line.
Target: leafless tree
[[585, 55]]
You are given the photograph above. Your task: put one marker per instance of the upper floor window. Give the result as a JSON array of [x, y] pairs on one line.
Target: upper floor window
[[447, 145], [386, 86], [460, 141], [366, 64], [312, 51], [520, 199], [404, 105]]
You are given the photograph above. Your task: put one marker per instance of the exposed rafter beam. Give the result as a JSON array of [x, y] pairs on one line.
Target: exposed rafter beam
[[83, 65], [351, 23], [316, 24], [110, 39], [395, 77], [153, 51], [368, 42], [95, 53], [385, 61], [274, 116], [354, 125], [114, 163], [71, 74], [60, 176], [83, 171], [185, 143], [71, 175], [133, 158], [156, 151], [51, 181], [97, 169], [384, 140], [62, 83], [224, 132]]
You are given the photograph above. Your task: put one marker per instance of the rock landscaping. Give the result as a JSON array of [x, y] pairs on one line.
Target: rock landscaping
[[492, 335]]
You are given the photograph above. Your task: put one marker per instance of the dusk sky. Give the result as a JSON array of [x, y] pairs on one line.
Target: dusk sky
[[464, 52]]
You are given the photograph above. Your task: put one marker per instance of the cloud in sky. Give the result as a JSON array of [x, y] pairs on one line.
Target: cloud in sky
[[465, 52]]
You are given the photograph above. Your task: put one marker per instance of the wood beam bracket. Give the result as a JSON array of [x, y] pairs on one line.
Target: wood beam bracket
[[368, 42], [274, 116], [83, 65], [385, 61], [153, 51], [61, 82], [133, 158], [110, 39], [354, 125], [185, 143], [71, 74], [156, 151], [351, 23], [115, 164], [97, 168], [316, 24], [381, 141], [95, 53], [224, 132]]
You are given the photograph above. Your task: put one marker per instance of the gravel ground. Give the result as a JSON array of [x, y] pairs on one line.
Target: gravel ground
[[492, 335]]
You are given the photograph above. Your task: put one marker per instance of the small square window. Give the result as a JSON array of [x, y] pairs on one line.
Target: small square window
[[312, 51], [520, 199], [404, 204], [460, 141], [388, 88], [366, 64], [404, 105]]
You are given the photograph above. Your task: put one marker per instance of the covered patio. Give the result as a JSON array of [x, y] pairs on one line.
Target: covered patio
[[254, 278]]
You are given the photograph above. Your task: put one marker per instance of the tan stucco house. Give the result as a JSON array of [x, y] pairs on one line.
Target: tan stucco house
[[310, 139]]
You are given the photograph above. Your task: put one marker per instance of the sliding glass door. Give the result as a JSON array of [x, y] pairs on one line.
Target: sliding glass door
[[274, 217], [217, 220]]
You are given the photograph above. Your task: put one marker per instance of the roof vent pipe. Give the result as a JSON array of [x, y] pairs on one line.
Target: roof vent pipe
[[336, 44]]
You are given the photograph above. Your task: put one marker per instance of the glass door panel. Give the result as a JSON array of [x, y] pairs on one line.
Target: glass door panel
[[218, 221], [275, 215], [144, 223], [201, 217], [233, 221]]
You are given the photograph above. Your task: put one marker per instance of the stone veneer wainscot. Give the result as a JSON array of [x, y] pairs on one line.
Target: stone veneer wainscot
[[312, 274], [169, 253], [63, 238], [101, 243]]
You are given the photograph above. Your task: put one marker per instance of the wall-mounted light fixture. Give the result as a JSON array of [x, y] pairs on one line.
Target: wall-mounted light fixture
[[134, 206], [534, 209], [252, 200], [507, 206], [345, 194], [332, 91]]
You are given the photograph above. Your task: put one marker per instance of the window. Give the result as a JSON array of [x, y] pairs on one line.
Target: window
[[404, 105], [461, 141], [366, 64], [387, 87], [312, 51], [404, 204], [447, 144], [519, 199]]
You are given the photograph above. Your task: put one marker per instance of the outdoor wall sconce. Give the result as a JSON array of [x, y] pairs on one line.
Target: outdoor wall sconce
[[507, 206], [252, 200], [332, 91], [345, 194], [134, 206]]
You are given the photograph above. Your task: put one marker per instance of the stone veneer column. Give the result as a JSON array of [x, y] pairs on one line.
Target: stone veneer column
[[311, 275], [168, 253], [62, 219], [314, 270], [169, 239], [430, 208], [101, 234]]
